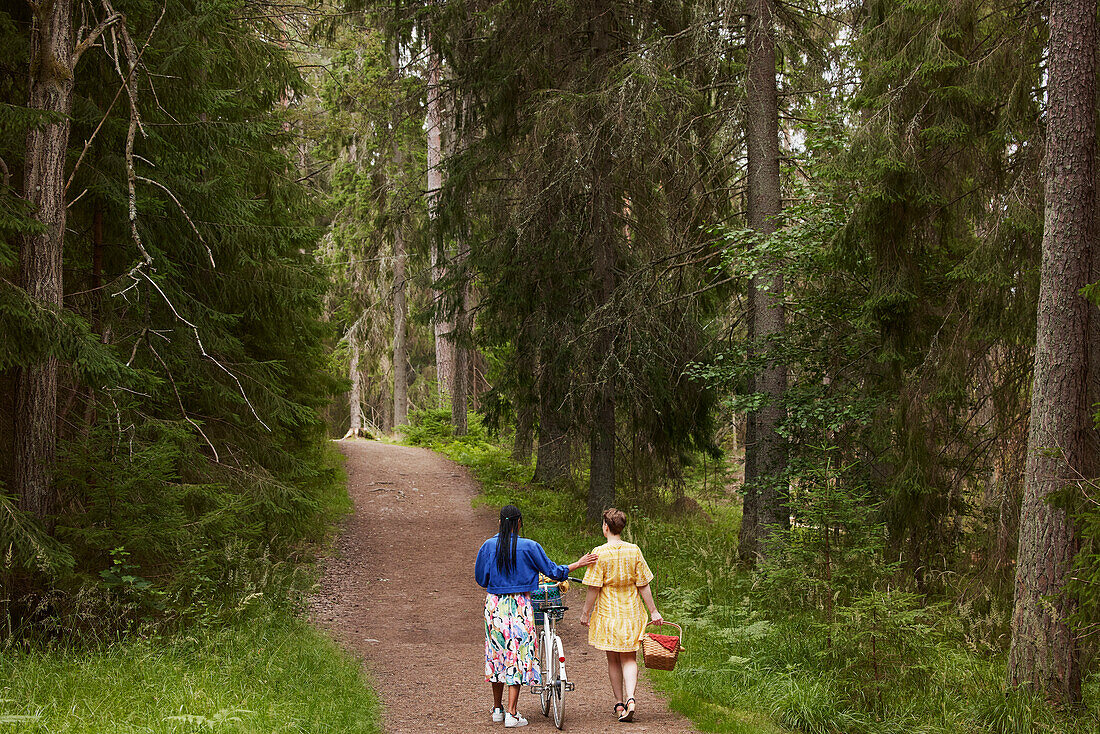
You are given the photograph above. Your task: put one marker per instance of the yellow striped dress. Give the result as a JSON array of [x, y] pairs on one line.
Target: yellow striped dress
[[620, 616]]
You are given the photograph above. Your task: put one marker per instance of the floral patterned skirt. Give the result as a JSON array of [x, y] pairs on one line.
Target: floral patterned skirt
[[510, 640]]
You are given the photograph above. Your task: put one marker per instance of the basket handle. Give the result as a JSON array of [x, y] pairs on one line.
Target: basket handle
[[670, 624]]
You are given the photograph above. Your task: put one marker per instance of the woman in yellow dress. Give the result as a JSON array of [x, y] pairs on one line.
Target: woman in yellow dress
[[618, 588]]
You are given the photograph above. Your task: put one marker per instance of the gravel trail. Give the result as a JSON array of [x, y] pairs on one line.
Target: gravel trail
[[400, 594]]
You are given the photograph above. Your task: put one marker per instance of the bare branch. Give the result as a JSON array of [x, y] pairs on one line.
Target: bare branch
[[125, 85], [185, 215], [88, 42], [180, 401]]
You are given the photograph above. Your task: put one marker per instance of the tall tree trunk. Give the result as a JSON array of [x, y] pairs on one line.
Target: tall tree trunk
[[523, 442], [51, 90], [749, 534], [400, 330], [1044, 653], [554, 461], [764, 207], [355, 394], [444, 347], [460, 376], [400, 288], [607, 204], [459, 339], [601, 474], [386, 391]]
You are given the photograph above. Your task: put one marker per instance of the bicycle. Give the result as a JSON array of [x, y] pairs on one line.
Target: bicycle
[[555, 683]]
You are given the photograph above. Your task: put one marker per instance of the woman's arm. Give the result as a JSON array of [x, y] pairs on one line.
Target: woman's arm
[[589, 602], [552, 570], [647, 597]]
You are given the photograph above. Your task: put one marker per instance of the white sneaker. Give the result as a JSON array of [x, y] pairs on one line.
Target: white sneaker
[[498, 715], [513, 721]]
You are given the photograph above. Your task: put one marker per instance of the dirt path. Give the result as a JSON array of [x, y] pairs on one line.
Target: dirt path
[[400, 593]]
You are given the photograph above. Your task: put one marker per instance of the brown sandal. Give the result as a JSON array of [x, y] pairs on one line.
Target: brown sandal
[[628, 715], [619, 705]]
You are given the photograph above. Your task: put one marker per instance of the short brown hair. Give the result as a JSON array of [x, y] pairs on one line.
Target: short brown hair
[[615, 519]]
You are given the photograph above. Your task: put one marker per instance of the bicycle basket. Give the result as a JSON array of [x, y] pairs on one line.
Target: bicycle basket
[[547, 602], [547, 597]]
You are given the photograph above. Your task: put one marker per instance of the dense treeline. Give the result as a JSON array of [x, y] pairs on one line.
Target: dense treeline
[[811, 235], [162, 364]]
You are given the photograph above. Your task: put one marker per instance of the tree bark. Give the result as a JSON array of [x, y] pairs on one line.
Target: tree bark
[[554, 461], [523, 442], [766, 295], [459, 339], [524, 400], [355, 394], [386, 392], [400, 331], [601, 475], [748, 534], [1044, 653], [607, 204], [460, 376], [400, 304], [51, 90], [441, 326]]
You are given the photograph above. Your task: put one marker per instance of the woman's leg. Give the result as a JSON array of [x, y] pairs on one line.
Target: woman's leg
[[615, 673], [513, 699], [628, 661], [498, 695]]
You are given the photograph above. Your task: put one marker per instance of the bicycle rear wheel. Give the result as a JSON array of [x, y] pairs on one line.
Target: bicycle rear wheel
[[558, 703]]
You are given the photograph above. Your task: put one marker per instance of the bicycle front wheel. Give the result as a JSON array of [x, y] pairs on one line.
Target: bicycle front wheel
[[546, 650], [558, 703]]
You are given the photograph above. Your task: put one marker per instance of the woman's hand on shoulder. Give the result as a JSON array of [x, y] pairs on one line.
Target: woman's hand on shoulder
[[586, 560]]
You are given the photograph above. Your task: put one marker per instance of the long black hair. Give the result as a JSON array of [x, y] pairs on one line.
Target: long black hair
[[506, 542]]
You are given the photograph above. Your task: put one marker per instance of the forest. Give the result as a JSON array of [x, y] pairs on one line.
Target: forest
[[810, 287]]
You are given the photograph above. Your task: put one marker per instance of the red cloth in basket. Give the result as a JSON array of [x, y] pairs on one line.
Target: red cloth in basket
[[668, 642]]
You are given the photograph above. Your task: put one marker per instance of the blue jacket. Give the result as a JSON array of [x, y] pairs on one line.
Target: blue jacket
[[530, 560]]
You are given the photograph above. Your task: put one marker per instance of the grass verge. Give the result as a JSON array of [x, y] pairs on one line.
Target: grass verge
[[272, 674]]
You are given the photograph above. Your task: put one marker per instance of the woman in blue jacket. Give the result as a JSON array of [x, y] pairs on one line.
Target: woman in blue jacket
[[508, 567]]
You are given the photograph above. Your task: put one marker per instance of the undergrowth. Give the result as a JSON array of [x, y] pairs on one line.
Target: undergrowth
[[233, 653], [757, 662]]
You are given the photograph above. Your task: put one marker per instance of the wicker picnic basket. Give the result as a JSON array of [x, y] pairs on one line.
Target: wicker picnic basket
[[660, 651]]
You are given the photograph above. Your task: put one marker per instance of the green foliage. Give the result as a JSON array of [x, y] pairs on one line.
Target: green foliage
[[190, 443], [274, 673]]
